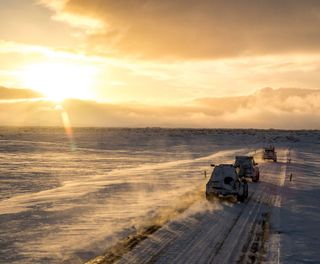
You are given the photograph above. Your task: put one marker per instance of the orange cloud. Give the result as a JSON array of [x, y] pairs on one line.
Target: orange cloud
[[191, 29], [9, 93]]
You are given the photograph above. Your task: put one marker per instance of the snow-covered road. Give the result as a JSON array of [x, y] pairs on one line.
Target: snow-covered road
[[220, 231], [297, 227]]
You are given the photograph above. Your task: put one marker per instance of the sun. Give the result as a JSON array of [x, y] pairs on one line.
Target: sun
[[59, 81]]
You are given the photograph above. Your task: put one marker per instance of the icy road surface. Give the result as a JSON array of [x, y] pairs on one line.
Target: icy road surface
[[222, 232], [277, 224]]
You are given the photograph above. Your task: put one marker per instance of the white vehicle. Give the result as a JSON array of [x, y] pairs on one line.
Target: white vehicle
[[225, 181], [247, 168], [269, 154]]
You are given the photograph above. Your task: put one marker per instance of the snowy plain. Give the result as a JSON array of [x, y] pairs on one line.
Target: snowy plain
[[68, 200]]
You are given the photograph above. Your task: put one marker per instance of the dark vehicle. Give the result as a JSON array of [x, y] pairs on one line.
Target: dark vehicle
[[225, 182], [270, 154], [247, 168]]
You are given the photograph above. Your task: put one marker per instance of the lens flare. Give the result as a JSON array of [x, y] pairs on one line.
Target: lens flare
[[67, 126]]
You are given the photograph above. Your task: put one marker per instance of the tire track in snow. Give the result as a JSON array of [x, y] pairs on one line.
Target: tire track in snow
[[215, 236]]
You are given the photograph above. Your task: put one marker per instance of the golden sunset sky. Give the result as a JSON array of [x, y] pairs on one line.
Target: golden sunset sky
[[161, 63]]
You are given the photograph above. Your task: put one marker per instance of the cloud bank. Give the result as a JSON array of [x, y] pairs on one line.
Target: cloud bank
[[10, 93], [287, 108], [192, 29]]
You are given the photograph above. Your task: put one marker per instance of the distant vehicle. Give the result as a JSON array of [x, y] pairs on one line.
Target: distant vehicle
[[270, 154], [247, 168], [225, 181]]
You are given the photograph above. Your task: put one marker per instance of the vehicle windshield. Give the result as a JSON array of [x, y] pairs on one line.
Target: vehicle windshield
[[244, 161], [220, 172]]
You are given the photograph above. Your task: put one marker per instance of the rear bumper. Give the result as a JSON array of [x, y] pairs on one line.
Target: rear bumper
[[247, 175], [220, 192], [271, 157]]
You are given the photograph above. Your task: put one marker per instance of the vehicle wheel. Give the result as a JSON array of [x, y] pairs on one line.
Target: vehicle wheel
[[241, 196], [246, 190], [256, 177], [209, 197]]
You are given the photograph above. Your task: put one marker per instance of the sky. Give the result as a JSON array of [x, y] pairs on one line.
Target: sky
[[164, 63]]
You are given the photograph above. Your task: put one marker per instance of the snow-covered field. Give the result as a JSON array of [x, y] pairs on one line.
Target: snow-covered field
[[69, 200]]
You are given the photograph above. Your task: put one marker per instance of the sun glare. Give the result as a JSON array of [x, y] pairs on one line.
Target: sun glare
[[58, 81]]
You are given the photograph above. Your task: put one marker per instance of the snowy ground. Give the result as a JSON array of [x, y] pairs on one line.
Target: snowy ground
[[67, 202]]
